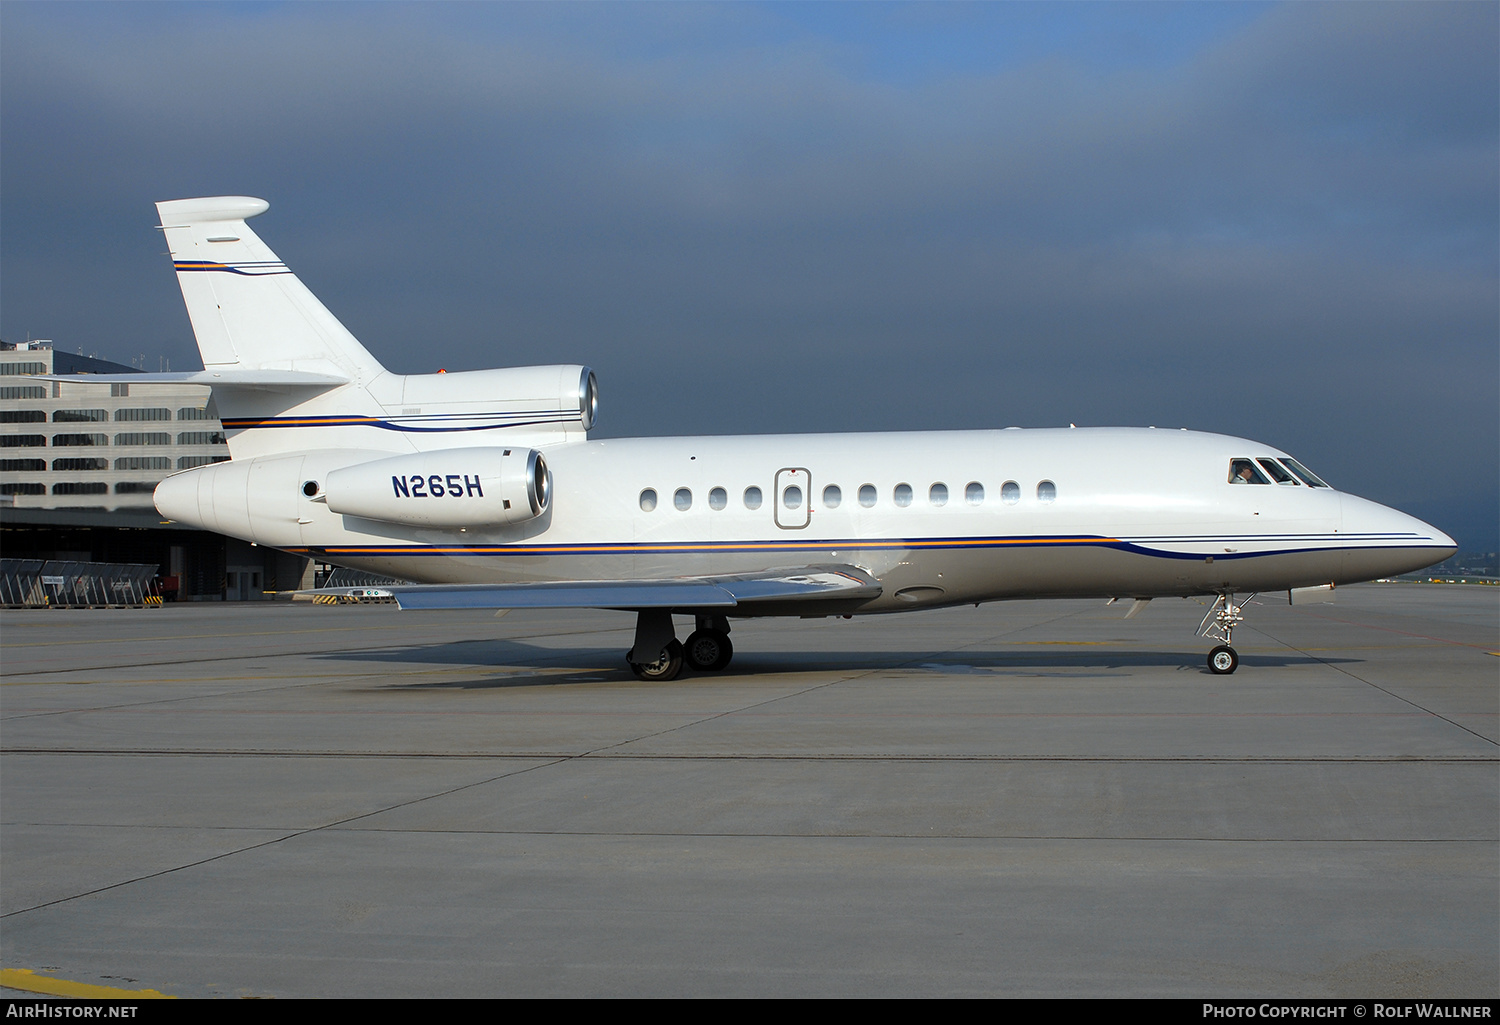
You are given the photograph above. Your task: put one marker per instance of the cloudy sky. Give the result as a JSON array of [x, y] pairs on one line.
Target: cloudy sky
[[1276, 221]]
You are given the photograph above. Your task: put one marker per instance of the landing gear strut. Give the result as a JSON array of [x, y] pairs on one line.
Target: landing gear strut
[[1223, 659], [658, 655]]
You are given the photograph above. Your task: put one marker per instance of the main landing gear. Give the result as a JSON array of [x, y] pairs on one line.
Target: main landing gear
[[658, 655], [1223, 659]]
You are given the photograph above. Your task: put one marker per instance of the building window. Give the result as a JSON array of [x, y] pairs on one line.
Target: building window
[[143, 463], [8, 369], [81, 488], [23, 464], [143, 414], [23, 489], [188, 462], [200, 438], [23, 416], [193, 413], [23, 392], [76, 463], [23, 441], [80, 416], [64, 440], [154, 438], [135, 487]]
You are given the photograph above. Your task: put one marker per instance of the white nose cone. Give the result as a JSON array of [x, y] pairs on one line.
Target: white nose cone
[[1384, 542]]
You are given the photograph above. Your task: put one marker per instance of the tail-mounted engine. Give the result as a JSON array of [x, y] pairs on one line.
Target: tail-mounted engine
[[459, 487]]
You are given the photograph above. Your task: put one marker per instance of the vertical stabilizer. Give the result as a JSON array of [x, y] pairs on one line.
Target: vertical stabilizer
[[248, 310]]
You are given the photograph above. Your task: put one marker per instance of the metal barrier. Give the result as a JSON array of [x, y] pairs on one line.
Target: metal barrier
[[34, 583], [340, 577]]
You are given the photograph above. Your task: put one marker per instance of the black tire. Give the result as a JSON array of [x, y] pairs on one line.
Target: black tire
[[664, 668], [708, 650], [1223, 660]]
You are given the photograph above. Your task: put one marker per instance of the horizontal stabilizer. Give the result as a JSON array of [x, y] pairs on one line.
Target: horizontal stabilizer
[[268, 380], [699, 593]]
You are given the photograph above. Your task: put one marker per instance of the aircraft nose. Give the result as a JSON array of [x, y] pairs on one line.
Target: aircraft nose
[[1385, 541]]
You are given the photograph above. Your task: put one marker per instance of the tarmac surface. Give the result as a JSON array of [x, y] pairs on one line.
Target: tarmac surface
[[1024, 799]]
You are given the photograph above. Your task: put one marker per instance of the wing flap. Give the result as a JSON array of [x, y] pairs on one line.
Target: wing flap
[[811, 582]]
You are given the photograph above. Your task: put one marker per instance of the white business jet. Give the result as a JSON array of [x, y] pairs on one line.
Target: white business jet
[[484, 489]]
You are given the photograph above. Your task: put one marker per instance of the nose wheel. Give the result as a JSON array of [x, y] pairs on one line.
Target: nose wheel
[[1219, 624], [1223, 660]]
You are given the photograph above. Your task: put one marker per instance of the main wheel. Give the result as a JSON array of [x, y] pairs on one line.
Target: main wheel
[[1223, 660], [708, 650], [664, 668]]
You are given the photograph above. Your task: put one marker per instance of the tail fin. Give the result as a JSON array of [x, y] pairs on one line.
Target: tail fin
[[248, 310], [288, 377]]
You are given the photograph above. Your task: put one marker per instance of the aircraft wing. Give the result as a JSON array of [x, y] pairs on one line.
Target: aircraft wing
[[687, 592]]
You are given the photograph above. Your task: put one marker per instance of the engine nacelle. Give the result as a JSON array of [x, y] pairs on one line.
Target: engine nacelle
[[458, 487]]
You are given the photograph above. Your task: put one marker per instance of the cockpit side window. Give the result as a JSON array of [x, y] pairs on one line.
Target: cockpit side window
[[1244, 471], [1309, 478], [1278, 474]]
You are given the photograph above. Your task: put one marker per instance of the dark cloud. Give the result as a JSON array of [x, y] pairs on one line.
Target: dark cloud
[[1274, 221]]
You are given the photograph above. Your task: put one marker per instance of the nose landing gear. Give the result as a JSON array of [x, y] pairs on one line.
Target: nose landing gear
[[1223, 659]]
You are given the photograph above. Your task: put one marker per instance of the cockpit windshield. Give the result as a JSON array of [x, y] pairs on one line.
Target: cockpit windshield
[[1277, 471], [1256, 471], [1244, 471], [1309, 478]]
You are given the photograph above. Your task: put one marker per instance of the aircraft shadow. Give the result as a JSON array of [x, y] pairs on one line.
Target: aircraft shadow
[[518, 664]]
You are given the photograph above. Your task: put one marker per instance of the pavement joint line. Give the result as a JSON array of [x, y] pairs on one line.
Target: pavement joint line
[[609, 754], [1384, 690], [265, 843]]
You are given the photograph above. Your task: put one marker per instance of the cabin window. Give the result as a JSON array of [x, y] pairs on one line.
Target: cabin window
[[791, 498], [648, 500], [718, 498], [1046, 491], [1010, 492], [1243, 471], [1278, 474], [832, 496], [974, 493], [938, 494], [867, 495], [1309, 478], [682, 498], [752, 497]]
